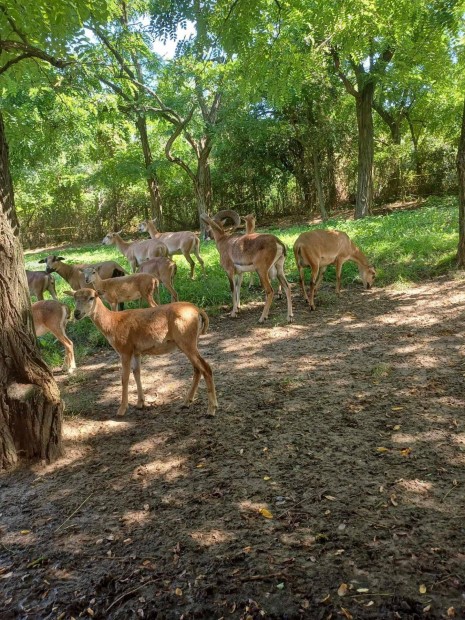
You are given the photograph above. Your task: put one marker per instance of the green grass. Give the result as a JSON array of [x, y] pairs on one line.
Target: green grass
[[405, 247]]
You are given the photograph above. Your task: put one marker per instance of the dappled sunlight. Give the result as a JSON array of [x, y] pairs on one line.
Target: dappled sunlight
[[83, 430], [418, 487], [255, 507], [208, 538], [20, 538], [151, 444], [136, 518], [304, 537], [169, 469], [426, 436], [419, 493], [72, 456]]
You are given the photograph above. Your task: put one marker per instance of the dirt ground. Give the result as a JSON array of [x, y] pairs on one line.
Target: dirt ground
[[345, 429]]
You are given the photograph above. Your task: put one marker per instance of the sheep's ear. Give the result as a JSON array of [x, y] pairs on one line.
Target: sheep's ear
[[69, 293], [119, 232], [99, 293], [43, 260], [60, 258]]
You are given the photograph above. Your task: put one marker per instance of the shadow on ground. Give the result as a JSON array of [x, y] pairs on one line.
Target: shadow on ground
[[345, 427]]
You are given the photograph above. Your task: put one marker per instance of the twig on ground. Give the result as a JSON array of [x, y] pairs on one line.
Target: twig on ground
[[129, 592], [371, 594], [74, 512], [449, 491], [263, 577]]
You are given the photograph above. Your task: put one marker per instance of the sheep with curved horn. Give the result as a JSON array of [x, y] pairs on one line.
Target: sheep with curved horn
[[262, 253]]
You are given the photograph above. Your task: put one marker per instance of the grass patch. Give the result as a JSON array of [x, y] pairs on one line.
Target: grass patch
[[405, 247]]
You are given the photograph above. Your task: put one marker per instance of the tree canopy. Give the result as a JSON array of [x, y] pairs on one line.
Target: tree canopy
[[266, 106]]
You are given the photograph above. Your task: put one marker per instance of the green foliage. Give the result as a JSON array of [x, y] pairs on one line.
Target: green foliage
[[407, 246]]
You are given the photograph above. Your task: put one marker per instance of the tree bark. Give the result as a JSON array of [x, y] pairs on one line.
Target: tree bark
[[332, 198], [461, 180], [30, 404], [364, 103], [203, 188], [152, 181], [319, 187]]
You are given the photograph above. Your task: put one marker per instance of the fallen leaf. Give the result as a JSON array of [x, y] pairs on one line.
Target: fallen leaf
[[339, 552], [362, 590], [247, 549], [24, 532], [381, 449], [280, 586], [396, 427], [393, 500], [369, 604], [422, 589], [305, 604], [406, 451], [178, 592], [330, 498], [343, 589], [346, 613], [90, 612], [426, 609], [326, 600], [266, 513], [396, 408], [451, 612], [200, 465], [6, 575], [266, 477]]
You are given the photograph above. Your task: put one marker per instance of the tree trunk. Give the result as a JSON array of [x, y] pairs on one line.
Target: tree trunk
[[30, 404], [332, 196], [461, 180], [203, 189], [319, 187], [152, 181], [364, 101]]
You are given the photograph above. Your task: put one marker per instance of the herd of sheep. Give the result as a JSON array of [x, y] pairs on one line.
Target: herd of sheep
[[162, 328]]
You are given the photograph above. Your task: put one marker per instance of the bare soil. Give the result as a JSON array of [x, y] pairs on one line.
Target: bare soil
[[347, 427]]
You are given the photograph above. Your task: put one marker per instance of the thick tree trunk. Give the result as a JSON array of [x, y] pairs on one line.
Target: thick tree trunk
[[364, 199], [30, 405], [461, 180], [152, 181]]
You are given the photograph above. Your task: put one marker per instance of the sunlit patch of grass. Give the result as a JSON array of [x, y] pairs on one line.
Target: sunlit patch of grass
[[405, 247]]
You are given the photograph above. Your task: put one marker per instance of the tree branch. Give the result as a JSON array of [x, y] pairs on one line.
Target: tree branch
[[119, 57], [13, 25], [344, 79], [177, 132], [13, 61], [115, 88], [30, 51]]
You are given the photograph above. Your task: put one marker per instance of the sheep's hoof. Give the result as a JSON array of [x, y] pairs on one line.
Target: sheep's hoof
[[290, 319], [140, 404], [121, 411]]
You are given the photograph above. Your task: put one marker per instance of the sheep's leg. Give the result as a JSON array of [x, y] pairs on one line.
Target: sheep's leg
[[187, 256], [125, 372], [135, 364], [287, 289], [265, 281]]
